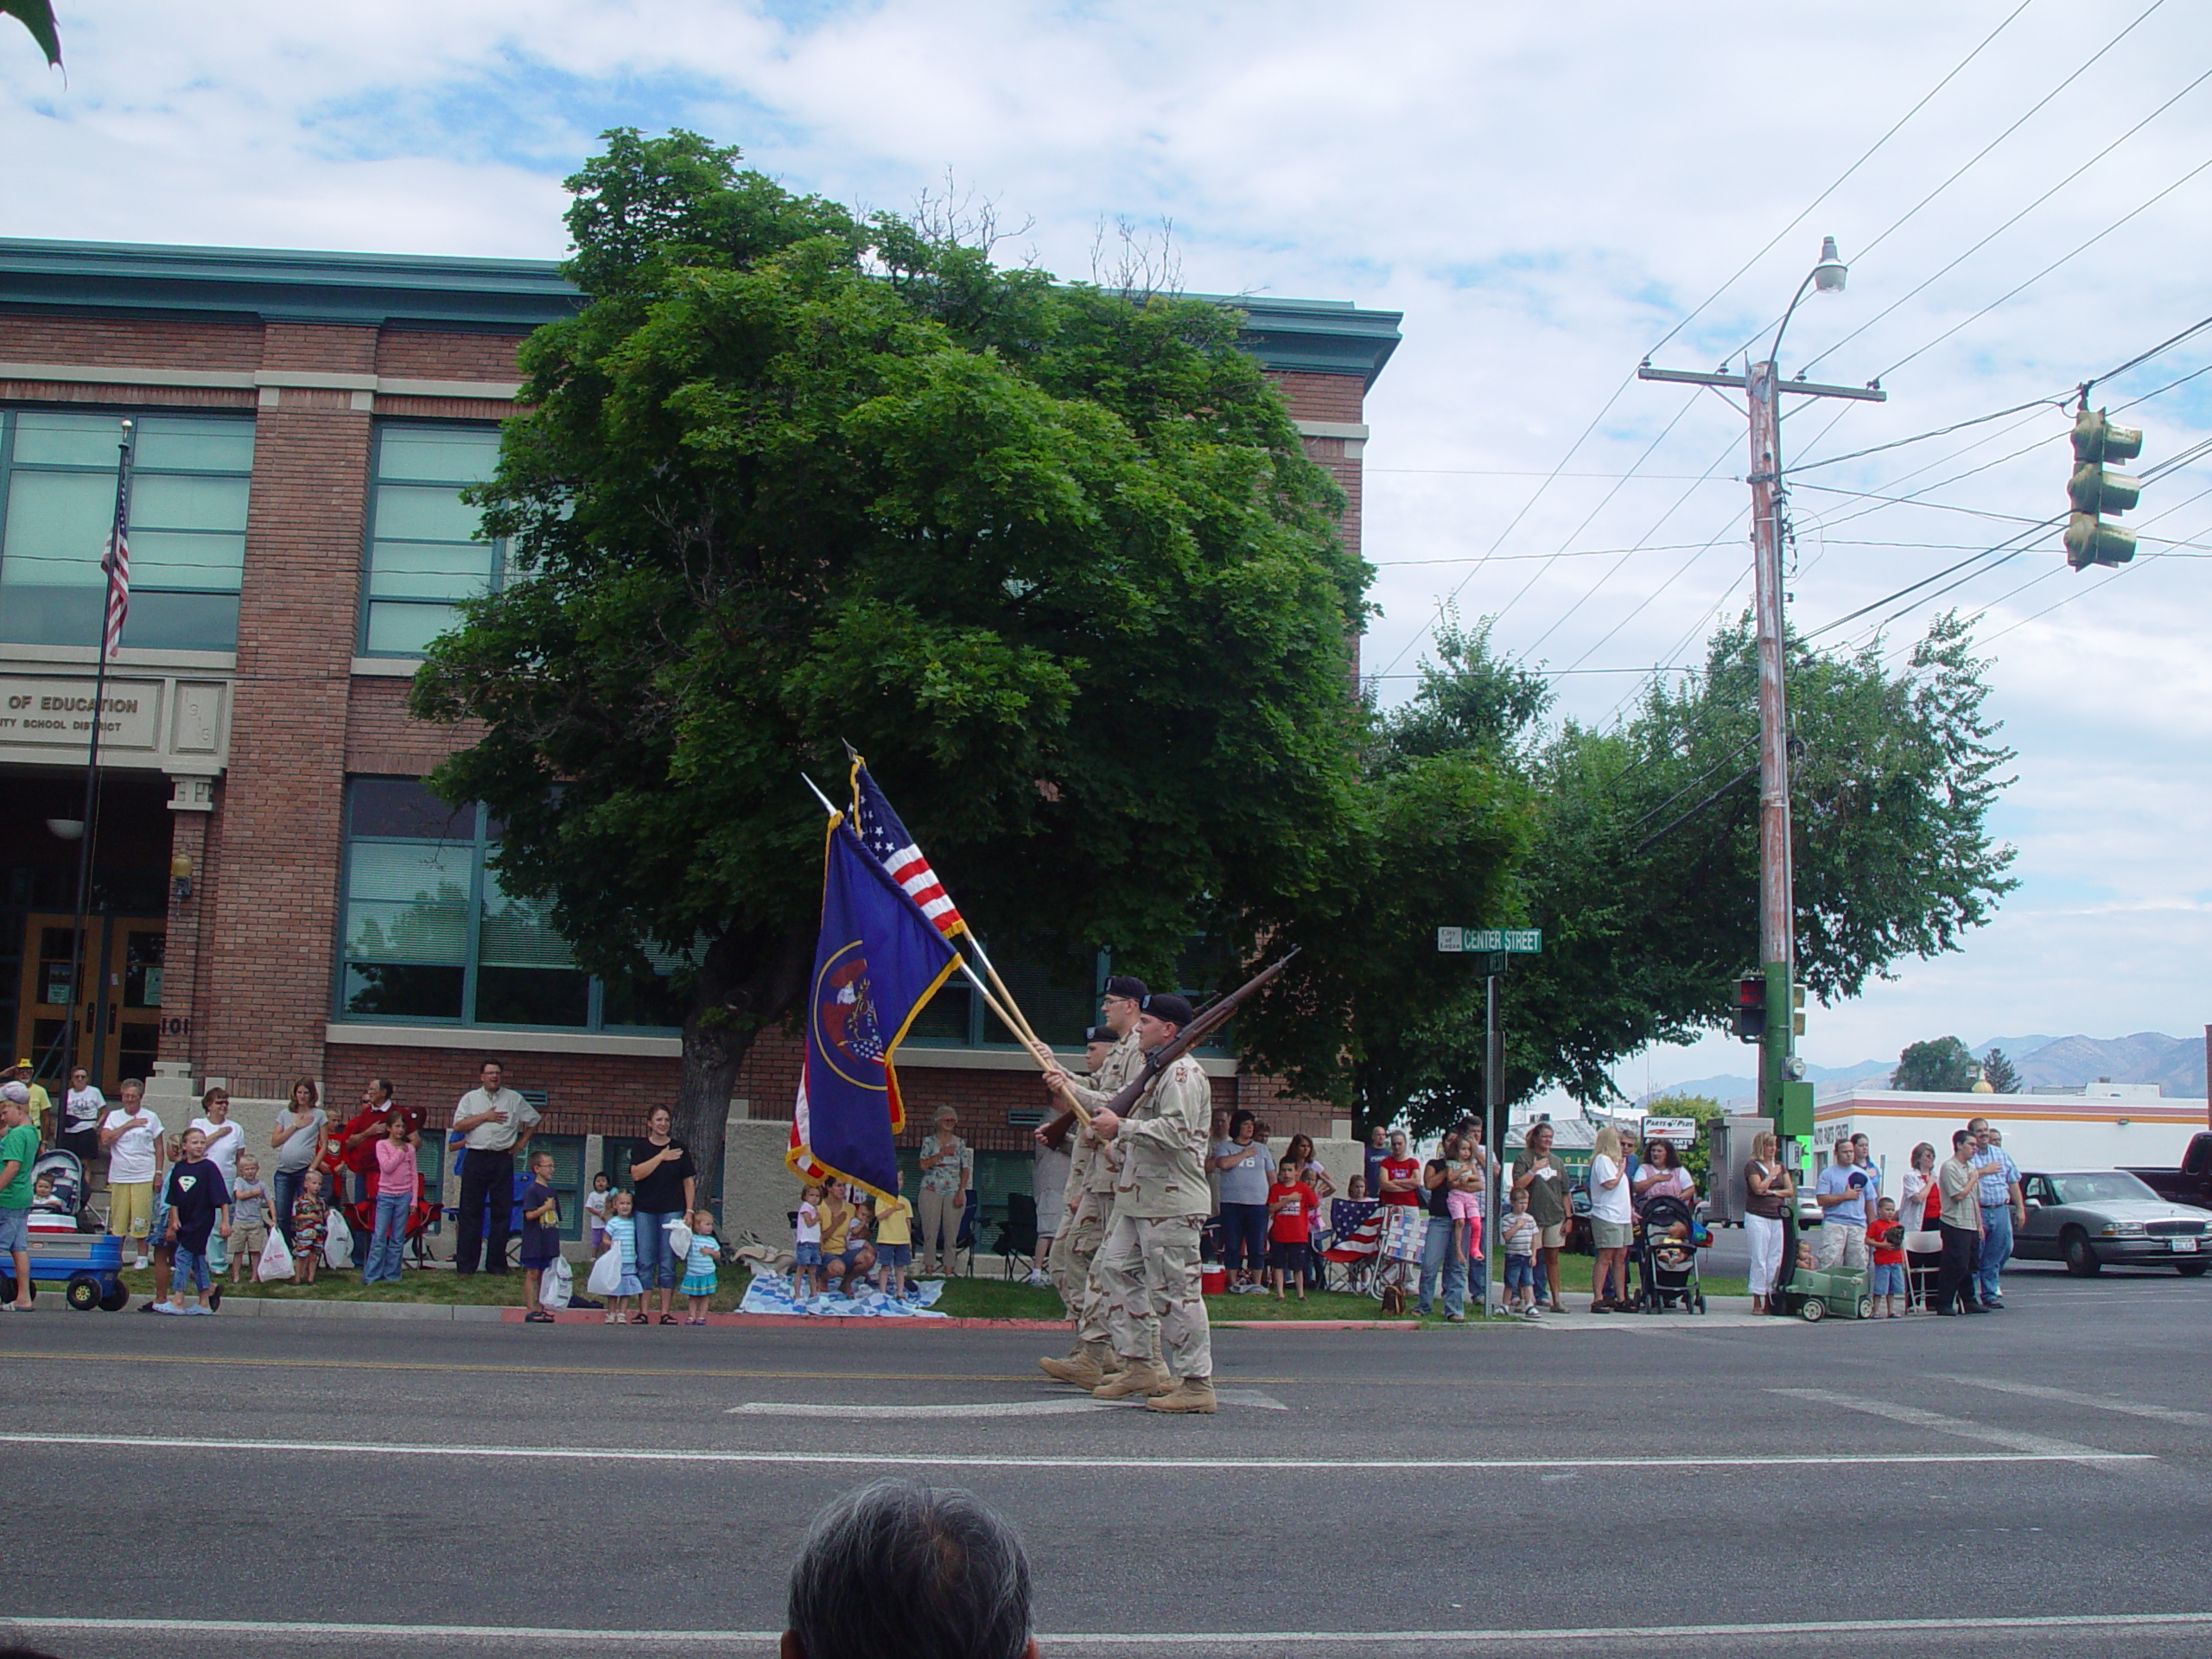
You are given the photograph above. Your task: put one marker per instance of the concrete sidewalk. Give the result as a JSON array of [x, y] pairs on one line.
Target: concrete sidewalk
[[1722, 1313]]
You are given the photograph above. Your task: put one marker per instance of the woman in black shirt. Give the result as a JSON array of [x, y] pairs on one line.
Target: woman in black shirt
[[663, 1181]]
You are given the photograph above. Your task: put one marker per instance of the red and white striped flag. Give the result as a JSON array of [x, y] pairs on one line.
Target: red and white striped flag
[[117, 565], [887, 838]]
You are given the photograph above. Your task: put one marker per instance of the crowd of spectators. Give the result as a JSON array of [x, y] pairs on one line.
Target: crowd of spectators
[[1970, 1203]]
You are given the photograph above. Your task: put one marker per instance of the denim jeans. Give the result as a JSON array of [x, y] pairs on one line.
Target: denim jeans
[[287, 1183], [1440, 1250], [187, 1270], [387, 1245], [1996, 1249], [655, 1265]]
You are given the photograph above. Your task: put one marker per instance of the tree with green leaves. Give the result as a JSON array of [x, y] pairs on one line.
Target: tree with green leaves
[[1998, 1069], [1643, 860], [1944, 1065], [1051, 556], [37, 16]]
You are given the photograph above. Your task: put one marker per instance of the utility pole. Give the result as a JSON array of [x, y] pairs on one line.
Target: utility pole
[[1782, 1096]]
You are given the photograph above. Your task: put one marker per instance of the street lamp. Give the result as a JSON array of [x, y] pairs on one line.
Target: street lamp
[[1782, 1096]]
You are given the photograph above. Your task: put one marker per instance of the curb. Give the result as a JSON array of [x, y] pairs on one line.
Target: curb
[[807, 1321], [264, 1308]]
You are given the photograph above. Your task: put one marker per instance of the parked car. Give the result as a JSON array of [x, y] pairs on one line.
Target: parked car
[[2192, 1182], [2091, 1218]]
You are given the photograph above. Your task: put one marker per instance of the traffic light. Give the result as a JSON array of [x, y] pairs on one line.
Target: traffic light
[[2095, 490], [1751, 1008], [1796, 1010]]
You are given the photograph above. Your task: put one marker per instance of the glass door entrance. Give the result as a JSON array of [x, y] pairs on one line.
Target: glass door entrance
[[119, 1016]]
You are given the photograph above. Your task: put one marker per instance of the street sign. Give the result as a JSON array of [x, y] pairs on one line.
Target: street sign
[[1680, 1133], [1521, 941]]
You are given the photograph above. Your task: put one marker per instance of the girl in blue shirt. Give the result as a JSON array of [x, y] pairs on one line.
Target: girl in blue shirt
[[622, 1235], [699, 1264]]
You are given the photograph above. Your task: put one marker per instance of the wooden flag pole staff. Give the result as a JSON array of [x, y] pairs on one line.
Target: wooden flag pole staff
[[1009, 1012]]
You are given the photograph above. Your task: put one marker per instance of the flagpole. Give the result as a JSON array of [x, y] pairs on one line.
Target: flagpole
[[1012, 1021], [87, 832]]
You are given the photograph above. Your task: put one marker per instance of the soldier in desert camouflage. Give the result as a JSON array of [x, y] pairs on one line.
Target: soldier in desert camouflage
[[1093, 1170], [1148, 1265]]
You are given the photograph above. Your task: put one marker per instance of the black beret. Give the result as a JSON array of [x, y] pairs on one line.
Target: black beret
[[1099, 1034], [1125, 985], [1175, 1010]]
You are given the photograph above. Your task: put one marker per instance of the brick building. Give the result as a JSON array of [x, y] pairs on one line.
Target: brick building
[[274, 895]]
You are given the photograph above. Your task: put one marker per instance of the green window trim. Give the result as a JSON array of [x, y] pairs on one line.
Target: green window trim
[[191, 483], [422, 553], [426, 938]]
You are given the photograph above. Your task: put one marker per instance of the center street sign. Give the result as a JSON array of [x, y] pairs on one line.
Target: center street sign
[[1520, 941]]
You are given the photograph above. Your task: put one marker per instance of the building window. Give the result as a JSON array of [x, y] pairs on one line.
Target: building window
[[1058, 1001], [427, 934], [188, 492], [427, 551]]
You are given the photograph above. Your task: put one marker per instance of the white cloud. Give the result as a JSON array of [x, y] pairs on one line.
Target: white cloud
[[1542, 198]]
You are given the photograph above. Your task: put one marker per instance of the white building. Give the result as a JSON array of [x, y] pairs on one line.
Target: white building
[[2109, 1125]]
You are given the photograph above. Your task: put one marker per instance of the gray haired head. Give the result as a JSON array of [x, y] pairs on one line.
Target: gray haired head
[[897, 1571]]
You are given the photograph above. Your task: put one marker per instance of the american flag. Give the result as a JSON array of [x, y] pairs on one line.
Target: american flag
[[883, 836], [117, 564], [1358, 1225]]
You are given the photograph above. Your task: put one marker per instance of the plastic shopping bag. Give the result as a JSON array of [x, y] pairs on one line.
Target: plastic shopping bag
[[555, 1285], [605, 1273], [679, 1241], [275, 1259], [337, 1241]]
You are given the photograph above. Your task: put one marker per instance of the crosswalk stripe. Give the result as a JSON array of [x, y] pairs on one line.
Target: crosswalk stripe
[[2041, 1444], [2067, 1396]]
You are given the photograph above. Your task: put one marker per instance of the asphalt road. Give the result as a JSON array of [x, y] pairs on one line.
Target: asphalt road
[[2033, 1481]]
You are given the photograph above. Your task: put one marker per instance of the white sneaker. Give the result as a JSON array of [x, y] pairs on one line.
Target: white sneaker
[[141, 1263]]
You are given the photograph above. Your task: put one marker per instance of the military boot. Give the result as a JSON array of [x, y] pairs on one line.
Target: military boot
[[1194, 1394], [1137, 1377], [1085, 1368]]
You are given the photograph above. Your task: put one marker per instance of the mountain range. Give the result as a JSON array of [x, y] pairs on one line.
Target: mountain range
[[2175, 1064]]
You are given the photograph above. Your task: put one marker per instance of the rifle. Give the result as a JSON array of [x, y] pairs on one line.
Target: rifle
[[1204, 1023]]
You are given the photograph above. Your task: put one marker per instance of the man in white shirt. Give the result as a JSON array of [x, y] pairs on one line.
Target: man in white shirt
[[131, 1137], [494, 1123]]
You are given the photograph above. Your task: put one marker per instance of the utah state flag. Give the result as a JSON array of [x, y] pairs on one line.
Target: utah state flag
[[877, 963]]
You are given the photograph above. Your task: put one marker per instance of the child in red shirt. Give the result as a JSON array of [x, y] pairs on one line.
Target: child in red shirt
[[1291, 1205], [1886, 1244]]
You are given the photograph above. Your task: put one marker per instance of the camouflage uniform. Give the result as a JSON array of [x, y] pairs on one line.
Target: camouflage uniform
[[1148, 1265], [1092, 1170]]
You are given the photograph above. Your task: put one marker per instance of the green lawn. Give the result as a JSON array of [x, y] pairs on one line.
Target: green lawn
[[984, 1298]]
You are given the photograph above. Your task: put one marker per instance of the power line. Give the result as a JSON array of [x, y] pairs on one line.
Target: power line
[[2025, 116], [1921, 437], [1926, 97], [2062, 259], [1954, 263], [1629, 378], [1487, 471], [1606, 576]]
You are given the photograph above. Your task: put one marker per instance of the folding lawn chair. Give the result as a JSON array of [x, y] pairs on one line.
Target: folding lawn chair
[[1017, 1244], [1355, 1231], [965, 1244]]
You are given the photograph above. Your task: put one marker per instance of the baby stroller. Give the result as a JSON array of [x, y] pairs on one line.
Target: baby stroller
[[64, 1213], [1664, 1248]]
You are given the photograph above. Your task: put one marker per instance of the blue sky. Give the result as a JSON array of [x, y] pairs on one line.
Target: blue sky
[[1547, 201]]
